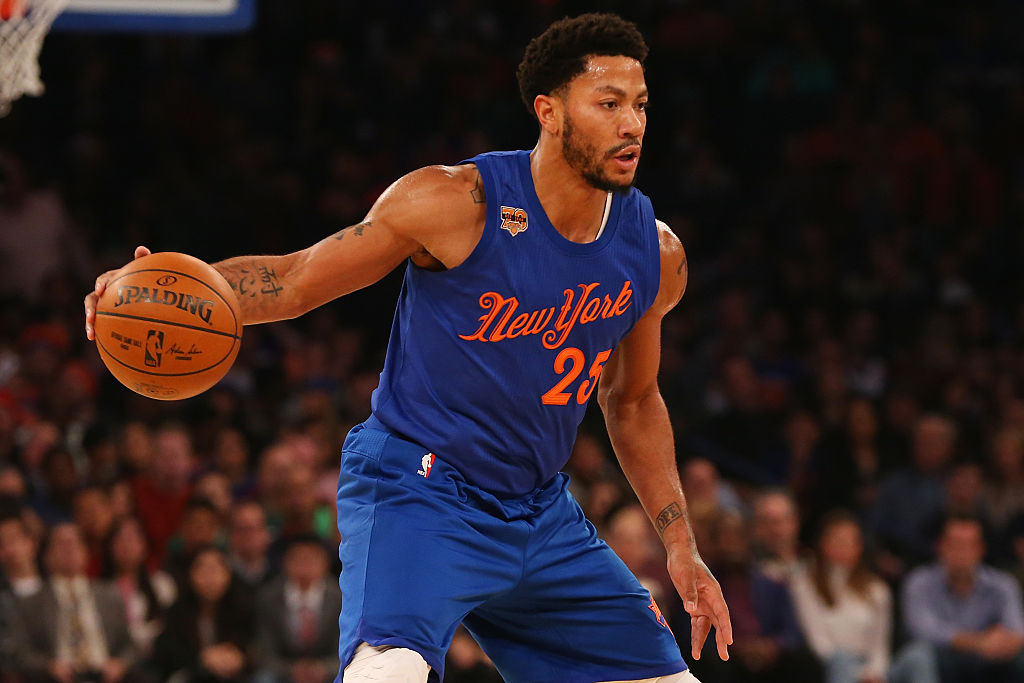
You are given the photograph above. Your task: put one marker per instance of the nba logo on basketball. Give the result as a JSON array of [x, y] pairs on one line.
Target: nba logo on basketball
[[425, 464], [154, 348], [514, 220]]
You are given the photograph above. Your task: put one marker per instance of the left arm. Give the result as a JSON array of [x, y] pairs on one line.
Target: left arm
[[641, 434]]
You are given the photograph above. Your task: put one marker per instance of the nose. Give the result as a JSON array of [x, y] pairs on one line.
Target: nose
[[632, 124]]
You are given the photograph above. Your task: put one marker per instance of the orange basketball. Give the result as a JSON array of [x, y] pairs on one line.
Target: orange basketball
[[168, 326]]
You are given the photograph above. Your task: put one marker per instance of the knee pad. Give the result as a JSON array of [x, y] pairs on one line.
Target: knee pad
[[386, 664]]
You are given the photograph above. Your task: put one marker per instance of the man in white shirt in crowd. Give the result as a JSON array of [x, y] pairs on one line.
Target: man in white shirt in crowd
[[965, 619]]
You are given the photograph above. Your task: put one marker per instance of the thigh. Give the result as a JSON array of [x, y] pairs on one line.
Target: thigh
[[577, 615], [415, 558]]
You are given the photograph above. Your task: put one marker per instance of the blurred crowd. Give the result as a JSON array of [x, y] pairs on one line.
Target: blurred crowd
[[845, 373]]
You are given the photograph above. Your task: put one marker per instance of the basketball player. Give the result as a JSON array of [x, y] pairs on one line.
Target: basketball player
[[533, 278]]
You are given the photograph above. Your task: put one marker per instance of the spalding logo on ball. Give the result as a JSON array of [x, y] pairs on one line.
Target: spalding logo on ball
[[168, 326]]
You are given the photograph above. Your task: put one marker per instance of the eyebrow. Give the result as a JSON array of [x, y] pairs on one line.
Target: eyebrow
[[619, 91]]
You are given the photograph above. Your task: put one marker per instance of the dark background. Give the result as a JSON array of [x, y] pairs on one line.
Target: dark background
[[847, 178]]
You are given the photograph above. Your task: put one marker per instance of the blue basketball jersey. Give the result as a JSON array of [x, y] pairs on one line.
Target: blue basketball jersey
[[490, 364]]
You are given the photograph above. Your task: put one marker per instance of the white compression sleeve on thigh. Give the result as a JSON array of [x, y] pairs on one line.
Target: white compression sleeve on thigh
[[681, 677], [386, 665]]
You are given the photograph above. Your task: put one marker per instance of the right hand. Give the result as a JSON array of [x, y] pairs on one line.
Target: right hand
[[223, 660], [61, 671], [92, 297]]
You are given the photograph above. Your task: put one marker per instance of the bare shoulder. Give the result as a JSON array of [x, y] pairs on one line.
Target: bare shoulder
[[443, 208], [674, 269], [436, 179]]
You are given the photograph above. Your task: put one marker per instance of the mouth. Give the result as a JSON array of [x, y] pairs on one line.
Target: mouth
[[627, 158]]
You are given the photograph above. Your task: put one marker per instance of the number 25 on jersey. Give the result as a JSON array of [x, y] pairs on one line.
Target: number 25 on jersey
[[569, 363]]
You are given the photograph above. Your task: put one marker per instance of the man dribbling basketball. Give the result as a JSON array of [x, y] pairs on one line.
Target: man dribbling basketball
[[532, 278]]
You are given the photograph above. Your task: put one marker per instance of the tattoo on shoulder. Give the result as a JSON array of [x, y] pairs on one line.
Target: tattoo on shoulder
[[478, 191], [356, 230], [682, 266], [670, 514]]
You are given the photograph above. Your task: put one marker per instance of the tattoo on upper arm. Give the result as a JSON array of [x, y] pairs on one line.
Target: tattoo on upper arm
[[682, 266], [478, 191], [670, 514], [356, 230]]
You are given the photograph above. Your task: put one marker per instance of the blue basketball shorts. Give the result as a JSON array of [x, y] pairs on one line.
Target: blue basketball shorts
[[422, 551]]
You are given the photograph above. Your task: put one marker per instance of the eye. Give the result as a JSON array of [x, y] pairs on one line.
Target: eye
[[642, 106], [610, 105]]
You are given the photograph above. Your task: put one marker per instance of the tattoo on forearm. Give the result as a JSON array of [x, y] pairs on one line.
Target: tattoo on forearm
[[356, 230], [268, 280], [478, 191], [670, 514], [248, 283]]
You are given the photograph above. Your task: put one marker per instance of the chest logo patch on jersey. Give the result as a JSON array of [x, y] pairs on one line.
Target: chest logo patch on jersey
[[514, 220]]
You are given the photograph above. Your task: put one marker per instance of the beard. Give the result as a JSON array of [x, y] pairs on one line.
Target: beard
[[584, 158]]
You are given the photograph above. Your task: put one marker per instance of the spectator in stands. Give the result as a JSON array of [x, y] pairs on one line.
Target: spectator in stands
[[1004, 490], [73, 629], [231, 458], [297, 616], [850, 475], [776, 535], [18, 548], [767, 644], [215, 488], [208, 631], [467, 663], [200, 527], [845, 611], [631, 536], [910, 499], [163, 490], [706, 492], [249, 542], [965, 619], [145, 596], [93, 515]]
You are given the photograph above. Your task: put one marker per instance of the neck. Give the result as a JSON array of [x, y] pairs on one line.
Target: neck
[[961, 581], [573, 206], [26, 572]]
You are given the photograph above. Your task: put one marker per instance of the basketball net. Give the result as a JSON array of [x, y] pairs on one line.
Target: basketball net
[[23, 25]]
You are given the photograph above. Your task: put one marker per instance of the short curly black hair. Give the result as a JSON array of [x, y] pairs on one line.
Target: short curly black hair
[[558, 55]]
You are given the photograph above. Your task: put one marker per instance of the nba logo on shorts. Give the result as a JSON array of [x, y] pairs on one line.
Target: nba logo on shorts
[[154, 348], [425, 464]]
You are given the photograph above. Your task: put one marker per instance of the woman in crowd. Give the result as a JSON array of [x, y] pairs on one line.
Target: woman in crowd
[[209, 629], [844, 609], [146, 596]]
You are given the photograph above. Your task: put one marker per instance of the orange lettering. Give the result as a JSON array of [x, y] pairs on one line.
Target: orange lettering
[[622, 302], [556, 339], [488, 301], [499, 331], [590, 311], [518, 324], [538, 322]]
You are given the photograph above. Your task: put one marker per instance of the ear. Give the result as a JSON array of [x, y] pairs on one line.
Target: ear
[[549, 113]]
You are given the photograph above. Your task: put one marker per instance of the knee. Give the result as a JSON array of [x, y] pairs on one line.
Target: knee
[[916, 661], [386, 665]]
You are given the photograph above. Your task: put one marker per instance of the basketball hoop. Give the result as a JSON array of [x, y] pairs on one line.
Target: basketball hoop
[[23, 25]]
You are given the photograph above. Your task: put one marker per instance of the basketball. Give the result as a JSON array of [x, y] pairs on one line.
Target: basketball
[[168, 326]]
